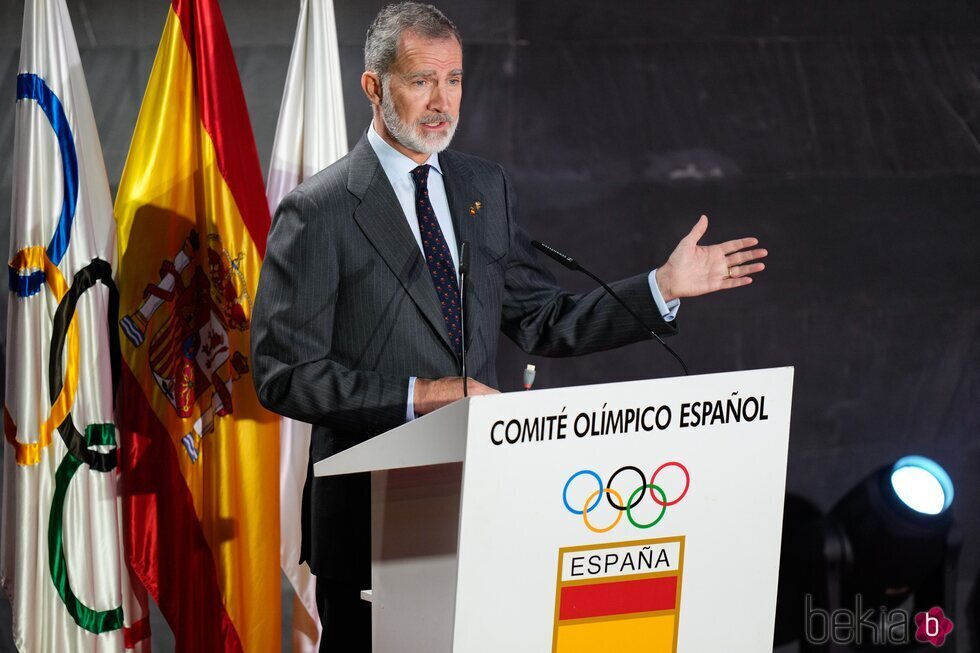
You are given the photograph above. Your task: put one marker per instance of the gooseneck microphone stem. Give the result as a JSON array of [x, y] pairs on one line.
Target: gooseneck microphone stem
[[464, 268], [629, 310], [574, 265]]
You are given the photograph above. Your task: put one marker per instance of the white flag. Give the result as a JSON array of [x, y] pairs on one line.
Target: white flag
[[310, 135], [61, 562]]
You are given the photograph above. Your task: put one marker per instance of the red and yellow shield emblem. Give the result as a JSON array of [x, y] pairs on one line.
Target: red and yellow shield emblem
[[621, 596]]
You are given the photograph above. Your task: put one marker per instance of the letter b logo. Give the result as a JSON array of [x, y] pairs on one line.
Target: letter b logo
[[932, 626]]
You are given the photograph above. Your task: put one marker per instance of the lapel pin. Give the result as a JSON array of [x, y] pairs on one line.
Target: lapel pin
[[475, 207]]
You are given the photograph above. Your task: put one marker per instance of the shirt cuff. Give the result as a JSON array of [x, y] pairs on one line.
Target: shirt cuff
[[410, 406], [668, 310]]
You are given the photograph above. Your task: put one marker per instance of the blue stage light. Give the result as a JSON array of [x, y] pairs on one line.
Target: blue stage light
[[891, 540], [922, 485]]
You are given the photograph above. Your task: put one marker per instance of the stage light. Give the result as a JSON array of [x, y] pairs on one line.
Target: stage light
[[891, 540], [922, 485], [897, 522]]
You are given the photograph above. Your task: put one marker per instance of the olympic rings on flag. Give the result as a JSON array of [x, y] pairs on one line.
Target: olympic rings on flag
[[34, 267], [31, 270], [33, 87], [64, 321], [80, 448], [615, 499], [29, 453], [92, 620]]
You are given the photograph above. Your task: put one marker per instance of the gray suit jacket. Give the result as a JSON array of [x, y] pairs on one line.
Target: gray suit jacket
[[346, 311]]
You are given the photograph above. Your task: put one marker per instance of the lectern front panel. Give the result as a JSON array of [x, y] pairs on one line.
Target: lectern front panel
[[640, 516]]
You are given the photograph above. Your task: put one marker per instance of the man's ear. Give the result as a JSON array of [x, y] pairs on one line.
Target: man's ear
[[371, 85]]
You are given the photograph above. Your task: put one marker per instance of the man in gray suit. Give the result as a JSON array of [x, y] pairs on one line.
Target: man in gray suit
[[356, 327]]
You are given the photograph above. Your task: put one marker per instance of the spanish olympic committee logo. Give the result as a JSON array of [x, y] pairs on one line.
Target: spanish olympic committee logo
[[619, 596], [584, 492]]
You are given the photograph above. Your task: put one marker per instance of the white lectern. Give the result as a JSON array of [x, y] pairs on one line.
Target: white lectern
[[622, 517]]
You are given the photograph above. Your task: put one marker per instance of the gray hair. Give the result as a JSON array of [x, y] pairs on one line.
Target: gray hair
[[381, 44]]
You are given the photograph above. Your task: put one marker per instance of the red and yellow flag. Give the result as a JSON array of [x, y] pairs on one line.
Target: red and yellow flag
[[199, 456]]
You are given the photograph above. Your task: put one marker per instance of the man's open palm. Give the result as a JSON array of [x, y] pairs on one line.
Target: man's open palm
[[694, 269]]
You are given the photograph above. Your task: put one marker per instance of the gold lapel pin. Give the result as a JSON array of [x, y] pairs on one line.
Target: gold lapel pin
[[476, 206]]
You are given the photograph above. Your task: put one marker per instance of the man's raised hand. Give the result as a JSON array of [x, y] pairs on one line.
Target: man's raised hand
[[694, 269]]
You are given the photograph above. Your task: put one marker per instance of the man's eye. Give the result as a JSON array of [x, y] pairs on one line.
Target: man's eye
[[419, 82], [455, 82]]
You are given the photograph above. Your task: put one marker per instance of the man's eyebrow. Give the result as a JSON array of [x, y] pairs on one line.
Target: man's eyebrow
[[432, 73]]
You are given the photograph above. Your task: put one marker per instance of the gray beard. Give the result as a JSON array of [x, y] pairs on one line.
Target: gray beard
[[409, 135]]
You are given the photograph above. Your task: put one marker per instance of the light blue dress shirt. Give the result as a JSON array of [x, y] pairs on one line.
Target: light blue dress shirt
[[398, 168]]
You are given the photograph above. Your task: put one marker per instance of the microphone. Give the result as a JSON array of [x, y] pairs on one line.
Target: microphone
[[464, 268], [565, 260], [574, 265]]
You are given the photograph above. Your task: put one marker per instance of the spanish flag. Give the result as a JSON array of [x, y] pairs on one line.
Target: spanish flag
[[199, 456]]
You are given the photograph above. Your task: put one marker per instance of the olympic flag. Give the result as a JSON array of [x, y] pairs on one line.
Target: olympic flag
[[311, 134], [199, 454], [62, 562]]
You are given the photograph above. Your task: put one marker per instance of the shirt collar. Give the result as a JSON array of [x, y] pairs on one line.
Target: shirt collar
[[396, 165]]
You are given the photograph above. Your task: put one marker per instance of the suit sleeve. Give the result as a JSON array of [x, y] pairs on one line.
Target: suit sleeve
[[543, 319], [292, 330]]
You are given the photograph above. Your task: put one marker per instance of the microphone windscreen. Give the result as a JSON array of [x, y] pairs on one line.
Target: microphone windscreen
[[464, 257]]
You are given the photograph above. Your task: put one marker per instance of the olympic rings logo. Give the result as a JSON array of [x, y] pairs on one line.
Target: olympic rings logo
[[32, 269], [614, 498]]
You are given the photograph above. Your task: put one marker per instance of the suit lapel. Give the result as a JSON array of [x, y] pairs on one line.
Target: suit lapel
[[462, 195], [380, 217]]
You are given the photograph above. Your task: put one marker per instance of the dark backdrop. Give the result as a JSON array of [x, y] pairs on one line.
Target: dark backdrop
[[843, 135]]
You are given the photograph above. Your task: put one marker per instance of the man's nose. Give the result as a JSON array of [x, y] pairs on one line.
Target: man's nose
[[439, 98]]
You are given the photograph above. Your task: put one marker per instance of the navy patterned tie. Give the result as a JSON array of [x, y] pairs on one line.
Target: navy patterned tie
[[437, 257]]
